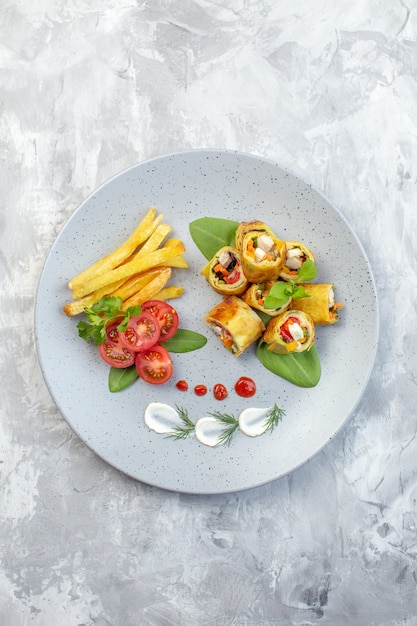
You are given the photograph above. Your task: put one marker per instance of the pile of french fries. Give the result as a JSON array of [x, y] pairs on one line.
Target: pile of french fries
[[136, 271]]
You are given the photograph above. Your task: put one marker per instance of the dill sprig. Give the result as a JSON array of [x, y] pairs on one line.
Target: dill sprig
[[185, 430], [273, 418], [231, 424]]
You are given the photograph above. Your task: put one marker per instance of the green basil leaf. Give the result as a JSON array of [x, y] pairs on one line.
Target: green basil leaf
[[185, 341], [299, 292], [302, 369], [278, 295], [307, 271], [212, 233], [120, 378]]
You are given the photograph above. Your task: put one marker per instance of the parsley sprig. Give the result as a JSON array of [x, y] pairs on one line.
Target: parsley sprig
[[100, 314]]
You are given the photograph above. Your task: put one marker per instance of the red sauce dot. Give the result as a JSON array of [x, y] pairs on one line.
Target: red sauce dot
[[182, 385], [219, 391], [200, 390], [245, 387]]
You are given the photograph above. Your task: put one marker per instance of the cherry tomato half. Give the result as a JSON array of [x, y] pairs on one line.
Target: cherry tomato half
[[113, 351], [142, 332], [166, 316], [154, 365]]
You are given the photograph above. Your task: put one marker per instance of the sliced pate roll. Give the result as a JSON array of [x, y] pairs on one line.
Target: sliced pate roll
[[224, 272], [289, 332], [321, 304], [296, 255], [235, 324], [263, 256], [250, 227], [255, 296]]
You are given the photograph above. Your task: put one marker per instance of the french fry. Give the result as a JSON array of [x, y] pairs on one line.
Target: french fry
[[149, 291], [155, 240], [177, 261], [141, 233], [157, 258], [77, 306], [135, 283], [169, 293]]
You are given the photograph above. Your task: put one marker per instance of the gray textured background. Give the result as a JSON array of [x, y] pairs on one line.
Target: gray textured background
[[327, 89]]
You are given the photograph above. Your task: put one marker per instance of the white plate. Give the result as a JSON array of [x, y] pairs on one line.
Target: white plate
[[186, 186]]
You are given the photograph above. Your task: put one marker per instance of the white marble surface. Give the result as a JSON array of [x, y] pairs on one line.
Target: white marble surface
[[329, 90]]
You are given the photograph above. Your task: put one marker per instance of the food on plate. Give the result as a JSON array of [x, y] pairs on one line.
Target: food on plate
[[290, 332], [255, 296], [235, 324], [115, 258], [132, 337], [154, 365], [139, 269], [224, 272], [250, 227], [166, 315], [296, 255], [113, 351], [263, 256], [320, 304]]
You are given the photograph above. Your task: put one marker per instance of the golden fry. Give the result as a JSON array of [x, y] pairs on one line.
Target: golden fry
[[135, 283], [177, 261], [145, 228], [77, 306], [137, 265], [169, 293], [155, 239], [149, 291]]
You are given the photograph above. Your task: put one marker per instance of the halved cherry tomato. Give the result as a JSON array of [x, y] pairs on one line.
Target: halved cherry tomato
[[142, 332], [284, 332], [166, 316], [154, 365], [113, 351]]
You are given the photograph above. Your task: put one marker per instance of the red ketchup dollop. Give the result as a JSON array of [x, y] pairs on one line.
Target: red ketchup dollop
[[219, 391], [182, 385], [245, 387], [200, 390]]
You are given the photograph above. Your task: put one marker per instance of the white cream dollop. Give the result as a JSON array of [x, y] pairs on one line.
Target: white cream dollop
[[161, 418], [208, 431], [253, 421]]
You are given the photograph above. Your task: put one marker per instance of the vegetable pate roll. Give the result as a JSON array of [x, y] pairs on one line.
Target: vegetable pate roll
[[235, 324], [224, 272], [321, 304], [289, 332], [255, 296], [246, 227], [296, 255], [263, 256]]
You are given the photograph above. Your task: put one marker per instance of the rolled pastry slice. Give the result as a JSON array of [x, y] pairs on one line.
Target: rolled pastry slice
[[290, 332], [263, 256], [224, 272], [247, 227], [321, 304], [255, 297], [235, 324], [296, 255]]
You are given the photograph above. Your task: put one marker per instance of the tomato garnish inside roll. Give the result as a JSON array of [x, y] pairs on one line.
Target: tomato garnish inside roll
[[224, 272], [291, 331]]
